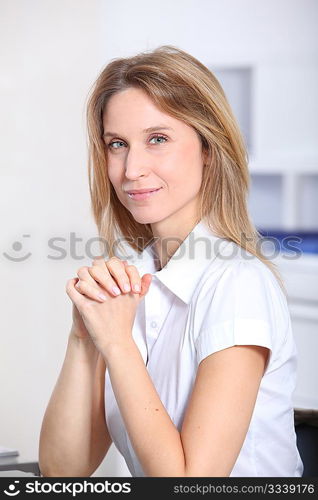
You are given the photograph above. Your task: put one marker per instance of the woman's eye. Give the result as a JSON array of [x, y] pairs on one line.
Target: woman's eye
[[159, 137], [111, 144]]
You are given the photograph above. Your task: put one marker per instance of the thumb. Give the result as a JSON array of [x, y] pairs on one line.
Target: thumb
[[145, 284]]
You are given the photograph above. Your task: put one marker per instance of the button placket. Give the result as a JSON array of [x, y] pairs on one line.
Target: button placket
[[153, 317]]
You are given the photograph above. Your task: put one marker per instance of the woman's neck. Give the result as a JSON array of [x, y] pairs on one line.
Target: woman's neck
[[170, 233]]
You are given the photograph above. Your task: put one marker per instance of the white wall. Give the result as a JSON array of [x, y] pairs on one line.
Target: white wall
[[54, 49], [52, 55]]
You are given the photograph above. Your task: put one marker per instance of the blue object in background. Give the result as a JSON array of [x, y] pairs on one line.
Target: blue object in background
[[292, 241]]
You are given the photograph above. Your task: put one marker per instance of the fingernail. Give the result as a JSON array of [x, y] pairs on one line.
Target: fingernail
[[126, 287], [102, 296], [137, 288], [116, 290]]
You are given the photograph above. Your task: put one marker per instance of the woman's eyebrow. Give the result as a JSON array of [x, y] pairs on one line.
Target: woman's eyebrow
[[146, 131]]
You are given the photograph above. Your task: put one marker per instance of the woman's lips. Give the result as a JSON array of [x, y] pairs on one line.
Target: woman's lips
[[142, 196]]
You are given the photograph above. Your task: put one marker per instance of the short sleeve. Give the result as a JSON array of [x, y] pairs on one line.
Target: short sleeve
[[240, 309]]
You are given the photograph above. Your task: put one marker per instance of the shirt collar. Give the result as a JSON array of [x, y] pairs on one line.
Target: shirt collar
[[184, 269]]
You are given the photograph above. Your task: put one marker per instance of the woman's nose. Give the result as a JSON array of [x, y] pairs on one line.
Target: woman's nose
[[136, 163]]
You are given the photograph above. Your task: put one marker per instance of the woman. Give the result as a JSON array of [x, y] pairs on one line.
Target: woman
[[181, 354]]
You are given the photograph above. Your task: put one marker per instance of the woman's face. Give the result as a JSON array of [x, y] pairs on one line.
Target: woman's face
[[146, 148]]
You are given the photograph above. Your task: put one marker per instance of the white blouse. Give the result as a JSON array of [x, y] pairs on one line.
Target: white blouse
[[212, 295]]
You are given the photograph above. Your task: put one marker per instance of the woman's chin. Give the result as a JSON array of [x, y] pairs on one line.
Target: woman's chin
[[146, 218]]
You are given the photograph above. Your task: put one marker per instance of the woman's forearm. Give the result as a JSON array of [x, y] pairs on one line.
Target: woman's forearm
[[65, 437], [154, 437]]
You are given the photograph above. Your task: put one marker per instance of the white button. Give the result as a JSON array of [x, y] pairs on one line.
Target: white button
[[153, 324]]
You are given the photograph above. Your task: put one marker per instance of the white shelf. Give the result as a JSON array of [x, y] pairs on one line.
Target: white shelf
[[301, 281], [284, 164], [284, 171], [287, 201]]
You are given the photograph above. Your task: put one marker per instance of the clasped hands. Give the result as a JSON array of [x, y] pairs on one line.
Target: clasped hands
[[105, 298]]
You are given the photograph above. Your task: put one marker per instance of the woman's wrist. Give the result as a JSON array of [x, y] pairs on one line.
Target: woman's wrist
[[82, 347], [114, 350]]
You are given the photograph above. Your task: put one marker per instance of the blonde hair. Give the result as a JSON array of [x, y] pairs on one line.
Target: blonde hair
[[184, 88]]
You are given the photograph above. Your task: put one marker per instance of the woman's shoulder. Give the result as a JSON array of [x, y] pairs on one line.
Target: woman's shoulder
[[230, 258], [235, 264], [238, 283]]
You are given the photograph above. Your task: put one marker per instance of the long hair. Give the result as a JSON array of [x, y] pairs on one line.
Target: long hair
[[184, 88]]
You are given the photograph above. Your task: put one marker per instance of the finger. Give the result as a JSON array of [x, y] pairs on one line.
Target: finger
[[145, 284], [75, 296], [135, 280], [99, 261], [84, 275], [103, 277], [116, 268], [90, 291], [88, 286]]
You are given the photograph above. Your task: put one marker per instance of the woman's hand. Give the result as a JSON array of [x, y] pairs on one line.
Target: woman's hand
[[78, 329], [108, 318]]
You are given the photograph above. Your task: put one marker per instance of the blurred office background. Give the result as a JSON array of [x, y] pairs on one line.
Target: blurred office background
[[264, 52]]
